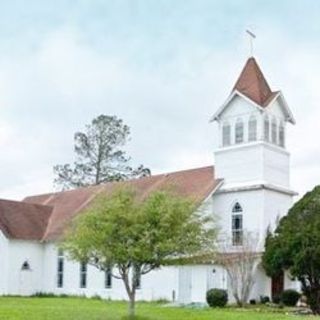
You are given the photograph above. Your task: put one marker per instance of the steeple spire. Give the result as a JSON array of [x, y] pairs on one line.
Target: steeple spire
[[253, 84]]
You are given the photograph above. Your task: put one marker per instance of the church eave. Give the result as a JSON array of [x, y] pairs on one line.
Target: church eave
[[284, 103]]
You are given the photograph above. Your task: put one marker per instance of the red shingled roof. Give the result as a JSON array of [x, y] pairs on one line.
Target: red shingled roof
[[253, 84], [25, 221], [195, 183]]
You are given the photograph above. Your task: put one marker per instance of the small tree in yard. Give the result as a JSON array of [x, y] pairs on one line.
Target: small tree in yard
[[240, 264], [295, 247], [136, 236]]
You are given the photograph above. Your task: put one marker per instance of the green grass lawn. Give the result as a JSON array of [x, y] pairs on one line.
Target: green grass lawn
[[89, 309]]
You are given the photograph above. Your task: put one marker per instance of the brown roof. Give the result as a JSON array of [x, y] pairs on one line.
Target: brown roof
[[195, 183], [253, 84], [23, 221]]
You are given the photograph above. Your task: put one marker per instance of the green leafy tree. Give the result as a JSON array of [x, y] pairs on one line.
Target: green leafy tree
[[135, 236], [295, 247], [99, 157]]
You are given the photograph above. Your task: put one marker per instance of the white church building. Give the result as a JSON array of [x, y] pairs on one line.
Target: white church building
[[247, 189]]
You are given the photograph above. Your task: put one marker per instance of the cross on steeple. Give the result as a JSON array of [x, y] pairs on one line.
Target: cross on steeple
[[252, 36]]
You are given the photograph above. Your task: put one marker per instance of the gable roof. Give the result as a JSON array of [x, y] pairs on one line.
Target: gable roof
[[194, 183], [253, 84], [25, 221]]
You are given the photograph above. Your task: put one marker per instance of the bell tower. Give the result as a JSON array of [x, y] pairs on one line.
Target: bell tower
[[252, 133], [252, 158]]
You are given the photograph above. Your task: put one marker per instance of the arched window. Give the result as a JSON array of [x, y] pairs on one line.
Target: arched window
[[25, 266], [237, 228], [266, 128], [239, 131], [226, 134], [274, 130], [281, 135], [252, 125]]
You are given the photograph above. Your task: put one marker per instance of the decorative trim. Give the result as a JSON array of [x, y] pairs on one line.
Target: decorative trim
[[260, 186], [268, 145]]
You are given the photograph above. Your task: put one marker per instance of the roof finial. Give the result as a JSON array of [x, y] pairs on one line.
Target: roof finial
[[252, 36]]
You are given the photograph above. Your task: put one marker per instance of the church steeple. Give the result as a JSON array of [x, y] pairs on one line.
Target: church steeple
[[252, 132], [253, 84]]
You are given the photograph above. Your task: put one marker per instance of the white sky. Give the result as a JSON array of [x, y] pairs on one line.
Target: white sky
[[164, 67]]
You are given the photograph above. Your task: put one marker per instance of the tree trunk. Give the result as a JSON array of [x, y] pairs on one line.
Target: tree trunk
[[131, 290], [131, 309], [131, 294], [239, 302]]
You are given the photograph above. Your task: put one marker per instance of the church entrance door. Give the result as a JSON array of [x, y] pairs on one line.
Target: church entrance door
[[185, 284], [277, 285]]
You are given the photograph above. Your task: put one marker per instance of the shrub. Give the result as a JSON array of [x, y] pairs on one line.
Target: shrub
[[217, 297], [290, 297], [43, 295], [264, 299], [253, 301]]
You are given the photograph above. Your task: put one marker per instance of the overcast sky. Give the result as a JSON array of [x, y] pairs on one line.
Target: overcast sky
[[164, 67]]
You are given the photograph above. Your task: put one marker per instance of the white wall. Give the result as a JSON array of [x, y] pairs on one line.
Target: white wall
[[253, 210], [276, 205], [257, 162], [19, 252], [276, 165], [158, 284]]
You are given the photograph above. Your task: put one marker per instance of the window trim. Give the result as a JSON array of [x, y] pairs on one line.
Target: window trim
[[237, 225]]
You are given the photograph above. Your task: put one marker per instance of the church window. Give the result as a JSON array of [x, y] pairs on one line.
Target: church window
[[252, 129], [137, 278], [108, 278], [266, 128], [60, 269], [239, 131], [226, 134], [281, 135], [25, 266], [237, 225], [274, 131], [83, 275]]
